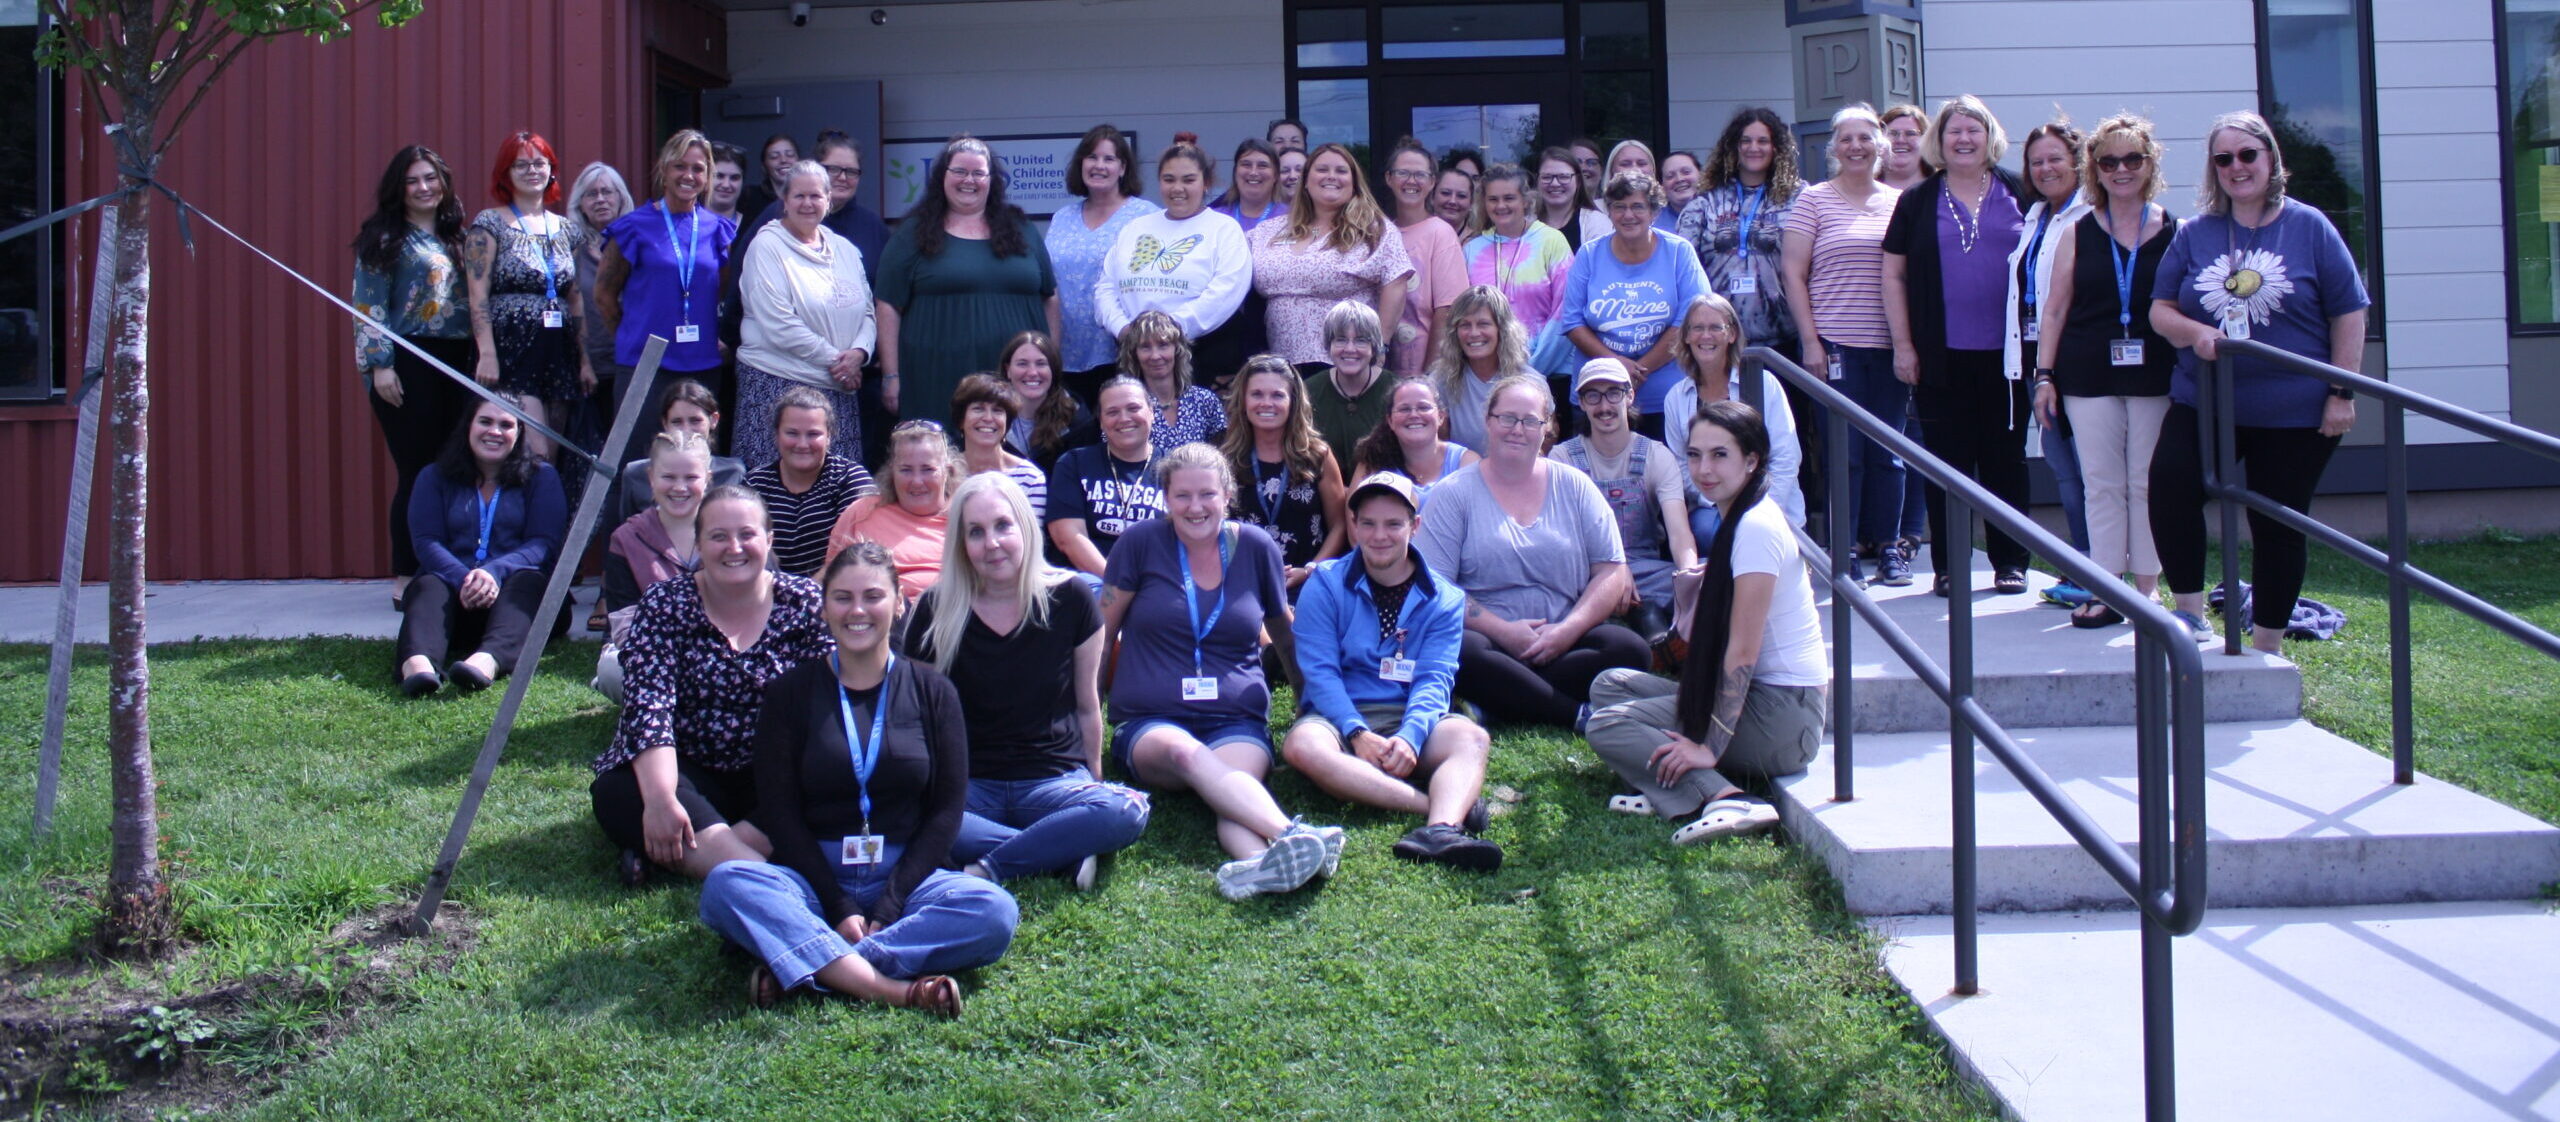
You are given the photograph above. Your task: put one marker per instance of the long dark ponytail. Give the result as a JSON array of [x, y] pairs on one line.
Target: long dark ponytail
[[1711, 625]]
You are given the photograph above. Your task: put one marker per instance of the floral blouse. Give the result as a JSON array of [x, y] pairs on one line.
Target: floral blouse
[[421, 297], [683, 685], [1203, 420], [1303, 282], [1076, 253]]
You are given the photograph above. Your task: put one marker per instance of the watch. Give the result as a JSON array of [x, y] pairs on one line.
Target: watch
[[2342, 393]]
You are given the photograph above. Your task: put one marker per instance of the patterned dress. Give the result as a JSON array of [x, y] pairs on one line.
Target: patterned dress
[[1288, 509], [684, 685], [535, 271]]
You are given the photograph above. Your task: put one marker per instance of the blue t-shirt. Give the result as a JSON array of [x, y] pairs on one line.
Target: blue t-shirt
[[1630, 306], [657, 299], [1156, 632], [1111, 495], [2292, 275]]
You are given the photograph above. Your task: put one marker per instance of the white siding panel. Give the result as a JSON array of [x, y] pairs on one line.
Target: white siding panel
[[2449, 342], [2445, 283], [2422, 204], [2443, 297], [1976, 23], [1723, 55], [2422, 21], [2450, 110], [2438, 156], [2428, 430], [2482, 388], [2412, 65], [2476, 250]]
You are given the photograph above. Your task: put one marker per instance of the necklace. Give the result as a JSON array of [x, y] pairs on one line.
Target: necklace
[[1968, 232]]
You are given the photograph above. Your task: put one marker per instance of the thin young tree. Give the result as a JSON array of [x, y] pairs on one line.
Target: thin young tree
[[147, 65]]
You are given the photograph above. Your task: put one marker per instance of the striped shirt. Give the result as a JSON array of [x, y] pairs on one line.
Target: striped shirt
[[801, 522], [1847, 278]]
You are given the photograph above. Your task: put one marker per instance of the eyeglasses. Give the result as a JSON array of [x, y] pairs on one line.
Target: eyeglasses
[[836, 172], [2245, 155], [2134, 162], [1408, 175], [1556, 180], [1610, 396], [1516, 421], [532, 165], [1714, 327], [964, 173]]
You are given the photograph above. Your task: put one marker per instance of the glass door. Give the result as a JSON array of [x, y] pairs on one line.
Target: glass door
[[1507, 117]]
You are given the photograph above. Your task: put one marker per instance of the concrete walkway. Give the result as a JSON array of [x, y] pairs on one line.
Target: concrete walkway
[[181, 611]]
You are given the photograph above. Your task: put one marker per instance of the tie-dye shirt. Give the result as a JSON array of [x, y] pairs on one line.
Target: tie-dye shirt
[[1529, 269]]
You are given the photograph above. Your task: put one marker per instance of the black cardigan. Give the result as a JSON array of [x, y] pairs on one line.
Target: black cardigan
[[805, 789], [1913, 233]]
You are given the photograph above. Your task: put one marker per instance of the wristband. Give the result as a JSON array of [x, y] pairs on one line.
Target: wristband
[[2342, 393], [2044, 374]]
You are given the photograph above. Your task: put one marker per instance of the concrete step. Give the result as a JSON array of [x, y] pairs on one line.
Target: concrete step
[[2408, 1011], [2298, 817], [2033, 669]]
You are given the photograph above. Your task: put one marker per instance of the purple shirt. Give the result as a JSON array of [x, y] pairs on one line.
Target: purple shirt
[[1156, 632], [656, 300], [1977, 281]]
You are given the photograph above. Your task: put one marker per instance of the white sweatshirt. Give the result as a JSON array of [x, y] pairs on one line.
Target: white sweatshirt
[[1196, 270], [804, 304]]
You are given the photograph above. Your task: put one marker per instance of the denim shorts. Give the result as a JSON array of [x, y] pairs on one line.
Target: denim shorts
[[1214, 733]]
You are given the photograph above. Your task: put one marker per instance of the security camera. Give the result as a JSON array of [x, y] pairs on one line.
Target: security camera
[[800, 13], [879, 17]]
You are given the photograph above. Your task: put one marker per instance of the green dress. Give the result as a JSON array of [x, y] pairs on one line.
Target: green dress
[[956, 309]]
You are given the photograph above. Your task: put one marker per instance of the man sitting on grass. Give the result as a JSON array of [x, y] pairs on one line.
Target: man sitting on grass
[[1378, 638]]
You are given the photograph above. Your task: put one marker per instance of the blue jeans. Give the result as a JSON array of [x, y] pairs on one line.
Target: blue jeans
[[1024, 826], [2062, 458], [1876, 477], [951, 922]]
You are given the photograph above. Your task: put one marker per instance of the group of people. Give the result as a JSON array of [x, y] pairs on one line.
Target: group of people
[[1285, 434]]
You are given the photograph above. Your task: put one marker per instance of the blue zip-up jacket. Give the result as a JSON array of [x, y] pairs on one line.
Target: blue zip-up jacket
[[1339, 647], [444, 521]]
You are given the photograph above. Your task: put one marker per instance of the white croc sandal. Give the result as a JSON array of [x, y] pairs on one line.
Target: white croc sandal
[[1730, 817], [1631, 804]]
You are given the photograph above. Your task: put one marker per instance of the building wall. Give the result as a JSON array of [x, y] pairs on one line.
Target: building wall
[[266, 462], [1723, 55], [1212, 67]]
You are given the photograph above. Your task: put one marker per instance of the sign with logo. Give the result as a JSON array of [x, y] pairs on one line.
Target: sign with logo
[[1036, 167]]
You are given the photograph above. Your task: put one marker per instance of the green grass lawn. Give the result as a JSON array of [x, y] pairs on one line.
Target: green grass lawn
[[1601, 973]]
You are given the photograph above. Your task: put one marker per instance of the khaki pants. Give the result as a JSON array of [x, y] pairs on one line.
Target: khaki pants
[[1633, 713]]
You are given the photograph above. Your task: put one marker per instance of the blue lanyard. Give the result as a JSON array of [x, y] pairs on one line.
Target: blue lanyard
[[488, 519], [2124, 261], [1271, 507], [1200, 628], [684, 257], [866, 754], [1750, 207], [550, 279], [2035, 245]]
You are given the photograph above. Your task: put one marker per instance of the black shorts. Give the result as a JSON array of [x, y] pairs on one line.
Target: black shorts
[[710, 798]]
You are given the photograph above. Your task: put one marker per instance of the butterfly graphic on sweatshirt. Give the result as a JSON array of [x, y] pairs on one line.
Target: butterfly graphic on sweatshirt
[[1166, 258]]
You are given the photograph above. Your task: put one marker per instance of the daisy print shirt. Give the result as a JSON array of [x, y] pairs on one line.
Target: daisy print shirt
[[2289, 277]]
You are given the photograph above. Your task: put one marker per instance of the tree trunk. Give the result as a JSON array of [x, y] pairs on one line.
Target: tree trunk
[[140, 915]]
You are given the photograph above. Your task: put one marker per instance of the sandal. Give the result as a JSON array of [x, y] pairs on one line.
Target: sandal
[[1728, 817], [764, 991], [596, 619], [937, 994], [2009, 582], [2095, 615], [1631, 804]]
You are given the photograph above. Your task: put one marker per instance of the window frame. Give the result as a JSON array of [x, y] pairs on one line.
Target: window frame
[[59, 384], [2373, 264], [2507, 201]]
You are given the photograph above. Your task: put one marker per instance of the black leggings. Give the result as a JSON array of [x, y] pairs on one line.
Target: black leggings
[[1977, 422], [1512, 690], [2283, 464], [710, 798], [431, 407], [434, 623]]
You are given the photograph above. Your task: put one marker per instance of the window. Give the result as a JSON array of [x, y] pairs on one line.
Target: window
[[2315, 68], [30, 167], [2530, 83]]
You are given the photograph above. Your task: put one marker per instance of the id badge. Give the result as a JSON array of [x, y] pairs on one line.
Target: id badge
[[1395, 669], [1835, 365], [863, 849], [553, 318], [688, 333], [2235, 321], [2031, 330], [2124, 352], [1200, 689], [1746, 284]]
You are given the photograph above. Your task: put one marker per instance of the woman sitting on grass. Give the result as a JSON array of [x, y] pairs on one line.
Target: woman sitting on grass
[[908, 521], [694, 667], [1022, 643], [1749, 702], [654, 545], [486, 520], [862, 769], [1185, 600]]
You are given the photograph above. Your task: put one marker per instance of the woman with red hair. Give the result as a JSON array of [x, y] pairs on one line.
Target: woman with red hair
[[520, 263]]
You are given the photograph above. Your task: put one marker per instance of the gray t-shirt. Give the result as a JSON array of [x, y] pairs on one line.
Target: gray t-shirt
[[1466, 411], [1520, 572]]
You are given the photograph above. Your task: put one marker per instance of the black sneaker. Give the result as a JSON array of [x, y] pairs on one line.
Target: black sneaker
[[1478, 817], [1444, 845]]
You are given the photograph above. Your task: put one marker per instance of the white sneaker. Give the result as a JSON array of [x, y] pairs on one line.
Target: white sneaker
[[1086, 870], [1331, 836], [1292, 861]]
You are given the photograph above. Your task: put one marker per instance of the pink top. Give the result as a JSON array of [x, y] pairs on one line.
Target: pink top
[[1301, 284], [914, 543], [1846, 281], [1439, 275]]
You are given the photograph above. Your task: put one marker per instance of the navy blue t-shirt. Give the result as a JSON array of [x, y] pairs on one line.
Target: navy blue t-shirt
[[1156, 631], [1111, 495], [2292, 276]]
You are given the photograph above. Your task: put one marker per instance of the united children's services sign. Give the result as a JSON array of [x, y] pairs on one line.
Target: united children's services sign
[[1036, 166]]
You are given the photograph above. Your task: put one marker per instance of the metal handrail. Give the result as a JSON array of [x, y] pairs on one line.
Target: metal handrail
[[2166, 880], [2217, 419]]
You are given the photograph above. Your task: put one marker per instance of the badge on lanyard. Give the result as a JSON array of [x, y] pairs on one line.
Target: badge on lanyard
[[2235, 320], [688, 333], [2124, 352], [1835, 365], [1203, 686], [2032, 329], [551, 317], [1745, 284], [1395, 669], [864, 849]]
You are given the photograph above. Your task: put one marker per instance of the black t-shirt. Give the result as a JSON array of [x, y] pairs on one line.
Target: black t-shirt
[[1110, 494], [1020, 689]]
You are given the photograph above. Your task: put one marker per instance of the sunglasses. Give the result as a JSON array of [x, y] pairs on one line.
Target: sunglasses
[[2245, 155], [2130, 162]]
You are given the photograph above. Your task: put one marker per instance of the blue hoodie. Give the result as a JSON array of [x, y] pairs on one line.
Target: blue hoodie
[[1339, 647]]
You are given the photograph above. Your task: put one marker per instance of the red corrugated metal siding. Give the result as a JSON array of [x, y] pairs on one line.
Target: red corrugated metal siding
[[265, 459]]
